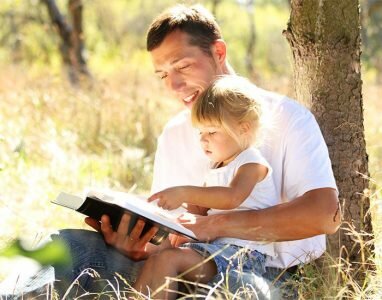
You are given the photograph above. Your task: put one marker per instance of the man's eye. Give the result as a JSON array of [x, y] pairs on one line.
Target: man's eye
[[183, 67], [212, 132], [162, 76]]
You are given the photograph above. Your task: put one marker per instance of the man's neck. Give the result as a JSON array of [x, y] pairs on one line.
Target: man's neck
[[227, 69]]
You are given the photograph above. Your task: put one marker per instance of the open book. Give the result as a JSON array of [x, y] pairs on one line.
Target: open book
[[96, 203]]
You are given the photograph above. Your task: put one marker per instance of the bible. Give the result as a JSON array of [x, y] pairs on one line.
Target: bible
[[96, 203]]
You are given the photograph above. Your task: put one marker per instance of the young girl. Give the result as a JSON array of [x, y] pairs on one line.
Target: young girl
[[228, 118]]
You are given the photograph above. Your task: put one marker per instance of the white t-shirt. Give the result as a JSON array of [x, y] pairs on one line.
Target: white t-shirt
[[293, 145], [263, 194]]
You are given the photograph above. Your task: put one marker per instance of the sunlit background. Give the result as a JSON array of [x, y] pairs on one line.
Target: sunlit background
[[56, 135]]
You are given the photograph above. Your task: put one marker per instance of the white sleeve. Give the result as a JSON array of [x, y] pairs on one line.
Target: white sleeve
[[307, 165], [252, 155], [159, 171]]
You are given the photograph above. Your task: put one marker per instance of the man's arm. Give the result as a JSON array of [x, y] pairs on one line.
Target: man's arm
[[316, 212]]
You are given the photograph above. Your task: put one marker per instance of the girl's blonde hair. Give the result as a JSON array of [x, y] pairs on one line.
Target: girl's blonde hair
[[229, 100]]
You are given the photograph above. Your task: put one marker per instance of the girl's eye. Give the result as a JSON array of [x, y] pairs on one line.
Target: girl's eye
[[163, 76], [212, 132]]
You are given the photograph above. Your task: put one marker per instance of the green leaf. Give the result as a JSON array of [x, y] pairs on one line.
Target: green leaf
[[52, 253]]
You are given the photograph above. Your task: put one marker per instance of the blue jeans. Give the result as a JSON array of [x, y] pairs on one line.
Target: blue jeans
[[89, 251], [230, 257]]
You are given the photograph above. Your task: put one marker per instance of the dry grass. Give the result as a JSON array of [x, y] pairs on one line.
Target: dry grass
[[54, 137]]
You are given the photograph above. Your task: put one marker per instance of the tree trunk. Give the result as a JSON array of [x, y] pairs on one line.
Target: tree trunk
[[72, 45], [75, 9], [215, 4], [250, 7], [325, 40]]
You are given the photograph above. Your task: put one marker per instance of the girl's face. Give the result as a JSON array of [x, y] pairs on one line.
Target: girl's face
[[218, 144]]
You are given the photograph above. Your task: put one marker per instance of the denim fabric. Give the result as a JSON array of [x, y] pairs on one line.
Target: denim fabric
[[230, 257], [239, 271], [88, 250], [93, 268]]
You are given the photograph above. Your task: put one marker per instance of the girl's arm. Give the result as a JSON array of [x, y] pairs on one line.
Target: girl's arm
[[215, 196]]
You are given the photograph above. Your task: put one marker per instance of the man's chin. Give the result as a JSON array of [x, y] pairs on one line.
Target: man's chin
[[188, 104]]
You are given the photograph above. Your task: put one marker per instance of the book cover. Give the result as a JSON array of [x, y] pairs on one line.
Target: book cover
[[96, 203]]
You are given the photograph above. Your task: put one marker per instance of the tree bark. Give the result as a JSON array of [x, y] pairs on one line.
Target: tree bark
[[75, 8], [215, 4], [325, 39], [72, 44], [250, 7]]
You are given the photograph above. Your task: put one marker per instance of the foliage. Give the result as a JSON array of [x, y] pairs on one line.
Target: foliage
[[52, 253], [372, 36], [114, 32]]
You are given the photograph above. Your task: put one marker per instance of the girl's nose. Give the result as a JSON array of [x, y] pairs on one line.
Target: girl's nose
[[203, 139]]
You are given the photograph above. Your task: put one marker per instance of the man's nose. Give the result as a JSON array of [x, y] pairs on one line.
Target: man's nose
[[175, 82]]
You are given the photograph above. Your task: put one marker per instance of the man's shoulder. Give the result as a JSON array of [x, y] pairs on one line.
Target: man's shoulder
[[178, 128], [281, 112], [179, 121], [280, 103]]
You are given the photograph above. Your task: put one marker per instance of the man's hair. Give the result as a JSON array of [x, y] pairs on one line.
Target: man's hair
[[195, 20], [229, 99]]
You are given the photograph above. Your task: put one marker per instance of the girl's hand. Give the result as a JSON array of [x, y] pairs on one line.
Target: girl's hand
[[177, 240], [170, 198]]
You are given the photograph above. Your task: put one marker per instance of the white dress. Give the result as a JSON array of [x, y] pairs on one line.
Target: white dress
[[263, 194]]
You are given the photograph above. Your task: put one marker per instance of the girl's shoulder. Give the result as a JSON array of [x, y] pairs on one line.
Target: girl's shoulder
[[251, 154]]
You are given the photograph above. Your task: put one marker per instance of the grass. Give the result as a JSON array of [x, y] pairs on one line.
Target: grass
[[56, 138]]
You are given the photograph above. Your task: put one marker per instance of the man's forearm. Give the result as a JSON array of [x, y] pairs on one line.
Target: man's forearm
[[316, 212]]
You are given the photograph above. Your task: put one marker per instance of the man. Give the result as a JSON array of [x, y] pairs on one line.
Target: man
[[188, 53]]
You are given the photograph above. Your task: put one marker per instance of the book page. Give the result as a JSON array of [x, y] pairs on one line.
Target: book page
[[69, 201], [138, 201]]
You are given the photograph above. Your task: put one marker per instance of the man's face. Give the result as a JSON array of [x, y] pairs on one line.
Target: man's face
[[185, 69]]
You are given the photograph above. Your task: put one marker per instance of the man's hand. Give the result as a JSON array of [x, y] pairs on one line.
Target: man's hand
[[170, 198], [133, 245], [202, 226], [177, 240]]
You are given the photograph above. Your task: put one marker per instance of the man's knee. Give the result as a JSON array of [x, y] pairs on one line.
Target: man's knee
[[87, 237]]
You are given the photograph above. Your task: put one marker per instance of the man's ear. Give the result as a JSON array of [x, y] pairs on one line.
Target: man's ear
[[219, 51]]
